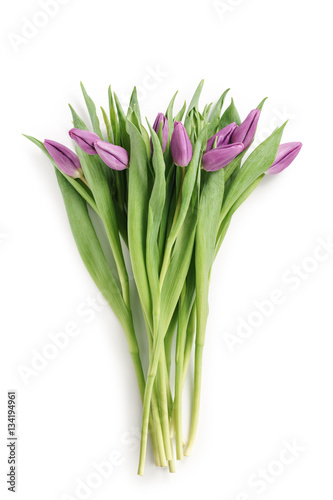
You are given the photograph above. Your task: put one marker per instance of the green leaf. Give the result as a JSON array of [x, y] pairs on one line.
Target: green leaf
[[208, 222], [215, 115], [169, 116], [206, 111], [178, 268], [134, 105], [168, 203], [155, 211], [227, 219], [190, 126], [257, 163], [132, 117], [229, 116], [93, 170], [77, 121], [93, 257], [107, 125], [193, 105], [180, 114], [260, 106], [123, 134], [199, 122], [92, 112], [169, 111], [138, 198], [146, 138], [195, 100], [233, 166], [113, 118]]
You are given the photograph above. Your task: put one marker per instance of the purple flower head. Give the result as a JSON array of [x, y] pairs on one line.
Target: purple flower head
[[161, 119], [113, 156], [246, 131], [285, 155], [223, 136], [218, 158], [180, 145], [84, 139], [66, 160]]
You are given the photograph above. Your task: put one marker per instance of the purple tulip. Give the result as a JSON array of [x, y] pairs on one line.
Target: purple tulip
[[218, 158], [113, 156], [160, 118], [84, 139], [66, 160], [180, 145], [285, 155], [223, 136], [246, 131]]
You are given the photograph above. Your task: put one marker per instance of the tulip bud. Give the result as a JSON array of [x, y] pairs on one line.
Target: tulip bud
[[66, 160], [180, 145], [84, 139], [222, 137], [218, 158], [161, 119], [246, 131], [113, 156], [285, 155]]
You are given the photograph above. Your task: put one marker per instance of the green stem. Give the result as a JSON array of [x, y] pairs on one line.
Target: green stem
[[164, 412], [155, 402], [152, 371], [170, 242], [168, 341], [152, 431], [189, 343], [196, 399], [119, 260], [145, 421], [158, 429], [155, 405], [181, 336]]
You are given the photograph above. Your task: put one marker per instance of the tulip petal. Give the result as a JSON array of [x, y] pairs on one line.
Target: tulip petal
[[285, 156], [223, 136], [246, 131], [165, 129], [84, 139], [180, 145], [113, 156], [218, 158], [66, 160]]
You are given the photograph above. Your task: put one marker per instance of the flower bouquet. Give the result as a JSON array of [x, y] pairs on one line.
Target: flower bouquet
[[166, 193]]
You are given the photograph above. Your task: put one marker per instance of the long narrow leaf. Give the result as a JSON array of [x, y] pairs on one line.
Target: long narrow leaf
[[92, 112], [257, 163]]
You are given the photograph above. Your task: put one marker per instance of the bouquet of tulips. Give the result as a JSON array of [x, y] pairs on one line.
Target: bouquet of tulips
[[167, 192]]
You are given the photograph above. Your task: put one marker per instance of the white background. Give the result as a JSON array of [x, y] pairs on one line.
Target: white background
[[274, 387]]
